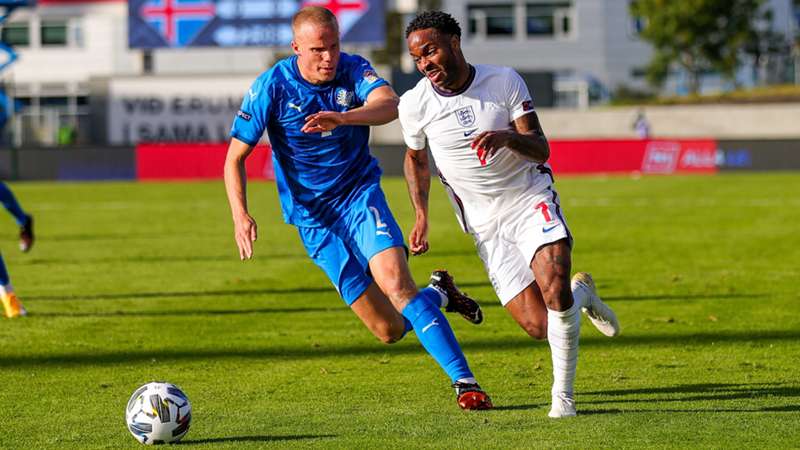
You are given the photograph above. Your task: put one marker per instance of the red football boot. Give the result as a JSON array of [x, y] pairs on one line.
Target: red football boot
[[471, 397]]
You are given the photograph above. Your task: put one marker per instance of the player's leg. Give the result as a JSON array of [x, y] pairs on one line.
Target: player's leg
[[25, 221], [390, 271], [380, 316], [380, 240], [551, 266], [528, 310], [11, 304]]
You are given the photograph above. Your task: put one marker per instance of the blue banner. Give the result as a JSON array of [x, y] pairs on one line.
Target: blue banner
[[243, 23]]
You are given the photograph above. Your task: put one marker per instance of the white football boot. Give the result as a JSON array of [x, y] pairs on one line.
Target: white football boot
[[563, 406], [602, 317]]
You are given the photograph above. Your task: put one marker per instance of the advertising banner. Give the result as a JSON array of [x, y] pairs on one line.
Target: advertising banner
[[657, 156], [243, 23], [196, 161]]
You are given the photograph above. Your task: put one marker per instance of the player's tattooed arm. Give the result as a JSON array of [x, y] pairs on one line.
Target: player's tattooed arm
[[244, 227], [526, 138], [381, 108], [416, 168]]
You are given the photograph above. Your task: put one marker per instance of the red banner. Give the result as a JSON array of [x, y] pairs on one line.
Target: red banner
[[196, 161], [662, 156]]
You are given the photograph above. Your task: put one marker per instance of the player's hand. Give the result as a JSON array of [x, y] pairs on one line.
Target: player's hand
[[488, 142], [418, 238], [322, 121], [245, 232]]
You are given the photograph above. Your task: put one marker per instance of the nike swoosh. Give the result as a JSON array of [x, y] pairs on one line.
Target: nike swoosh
[[467, 133], [547, 230]]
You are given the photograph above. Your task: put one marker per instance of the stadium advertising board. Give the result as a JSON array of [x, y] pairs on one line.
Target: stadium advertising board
[[196, 161], [658, 156], [243, 23], [173, 109]]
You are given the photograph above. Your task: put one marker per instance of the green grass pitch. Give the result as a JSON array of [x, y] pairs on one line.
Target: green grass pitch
[[129, 283]]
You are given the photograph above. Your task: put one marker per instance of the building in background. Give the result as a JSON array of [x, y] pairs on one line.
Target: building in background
[[77, 72]]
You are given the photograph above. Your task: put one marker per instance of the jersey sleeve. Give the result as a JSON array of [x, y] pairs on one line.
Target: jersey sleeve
[[365, 78], [413, 134], [518, 99], [252, 118]]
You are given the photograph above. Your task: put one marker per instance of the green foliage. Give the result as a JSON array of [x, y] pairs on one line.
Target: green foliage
[[133, 282], [696, 35]]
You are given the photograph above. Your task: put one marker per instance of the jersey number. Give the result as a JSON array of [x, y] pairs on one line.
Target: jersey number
[[545, 212]]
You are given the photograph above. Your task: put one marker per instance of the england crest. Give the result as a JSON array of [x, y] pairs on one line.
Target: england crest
[[465, 116]]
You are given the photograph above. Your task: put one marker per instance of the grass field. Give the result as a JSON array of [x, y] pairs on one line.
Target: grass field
[[129, 283]]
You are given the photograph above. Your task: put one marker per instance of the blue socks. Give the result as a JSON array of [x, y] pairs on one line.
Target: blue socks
[[434, 333], [4, 280], [10, 202]]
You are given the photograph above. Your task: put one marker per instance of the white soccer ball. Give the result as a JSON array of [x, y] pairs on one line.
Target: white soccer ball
[[158, 413]]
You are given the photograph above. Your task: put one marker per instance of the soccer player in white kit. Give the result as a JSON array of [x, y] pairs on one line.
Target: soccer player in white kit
[[492, 154]]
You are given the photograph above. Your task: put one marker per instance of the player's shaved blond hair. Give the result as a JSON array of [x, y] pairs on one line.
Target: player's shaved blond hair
[[317, 15]]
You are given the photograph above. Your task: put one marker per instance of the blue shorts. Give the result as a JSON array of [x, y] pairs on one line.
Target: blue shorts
[[343, 251]]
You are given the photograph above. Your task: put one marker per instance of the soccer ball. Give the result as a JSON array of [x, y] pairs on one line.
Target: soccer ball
[[158, 413]]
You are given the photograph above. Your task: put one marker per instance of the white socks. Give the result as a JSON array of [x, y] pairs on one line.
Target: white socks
[[442, 295], [7, 289], [563, 331]]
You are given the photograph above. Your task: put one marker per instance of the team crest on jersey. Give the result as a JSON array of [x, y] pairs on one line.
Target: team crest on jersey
[[344, 97], [465, 116], [370, 76]]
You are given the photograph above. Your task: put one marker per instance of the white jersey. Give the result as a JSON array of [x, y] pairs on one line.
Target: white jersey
[[480, 190]]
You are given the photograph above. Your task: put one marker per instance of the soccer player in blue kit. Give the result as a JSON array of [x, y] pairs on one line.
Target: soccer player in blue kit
[[317, 107], [12, 307]]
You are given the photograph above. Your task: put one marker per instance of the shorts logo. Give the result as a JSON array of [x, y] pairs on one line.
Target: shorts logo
[[344, 97], [465, 116], [244, 115], [370, 76], [382, 228]]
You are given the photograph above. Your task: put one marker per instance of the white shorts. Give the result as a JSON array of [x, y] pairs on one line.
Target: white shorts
[[508, 245]]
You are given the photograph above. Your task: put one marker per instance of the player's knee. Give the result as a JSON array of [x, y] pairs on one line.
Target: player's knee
[[536, 330], [387, 333]]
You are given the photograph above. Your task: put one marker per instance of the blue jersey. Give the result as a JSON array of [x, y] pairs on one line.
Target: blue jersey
[[316, 173]]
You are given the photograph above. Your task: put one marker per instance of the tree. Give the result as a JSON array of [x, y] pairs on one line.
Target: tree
[[696, 35]]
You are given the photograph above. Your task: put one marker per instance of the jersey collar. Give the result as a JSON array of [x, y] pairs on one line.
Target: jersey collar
[[463, 89]]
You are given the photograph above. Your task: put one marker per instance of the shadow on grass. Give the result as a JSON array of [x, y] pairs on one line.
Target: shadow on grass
[[788, 408], [272, 350], [215, 293], [256, 439], [719, 393], [83, 261], [187, 313], [186, 294], [629, 298], [518, 407]]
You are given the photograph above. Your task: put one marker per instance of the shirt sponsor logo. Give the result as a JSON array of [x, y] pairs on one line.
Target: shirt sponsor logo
[[465, 116], [244, 115], [370, 76]]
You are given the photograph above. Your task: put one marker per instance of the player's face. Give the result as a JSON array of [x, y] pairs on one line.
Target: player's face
[[436, 56], [317, 50]]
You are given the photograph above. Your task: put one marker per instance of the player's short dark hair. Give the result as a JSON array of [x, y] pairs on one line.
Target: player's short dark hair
[[438, 20]]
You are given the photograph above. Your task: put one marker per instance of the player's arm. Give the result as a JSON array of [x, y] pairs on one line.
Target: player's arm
[[418, 178], [526, 138], [245, 229], [380, 108]]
